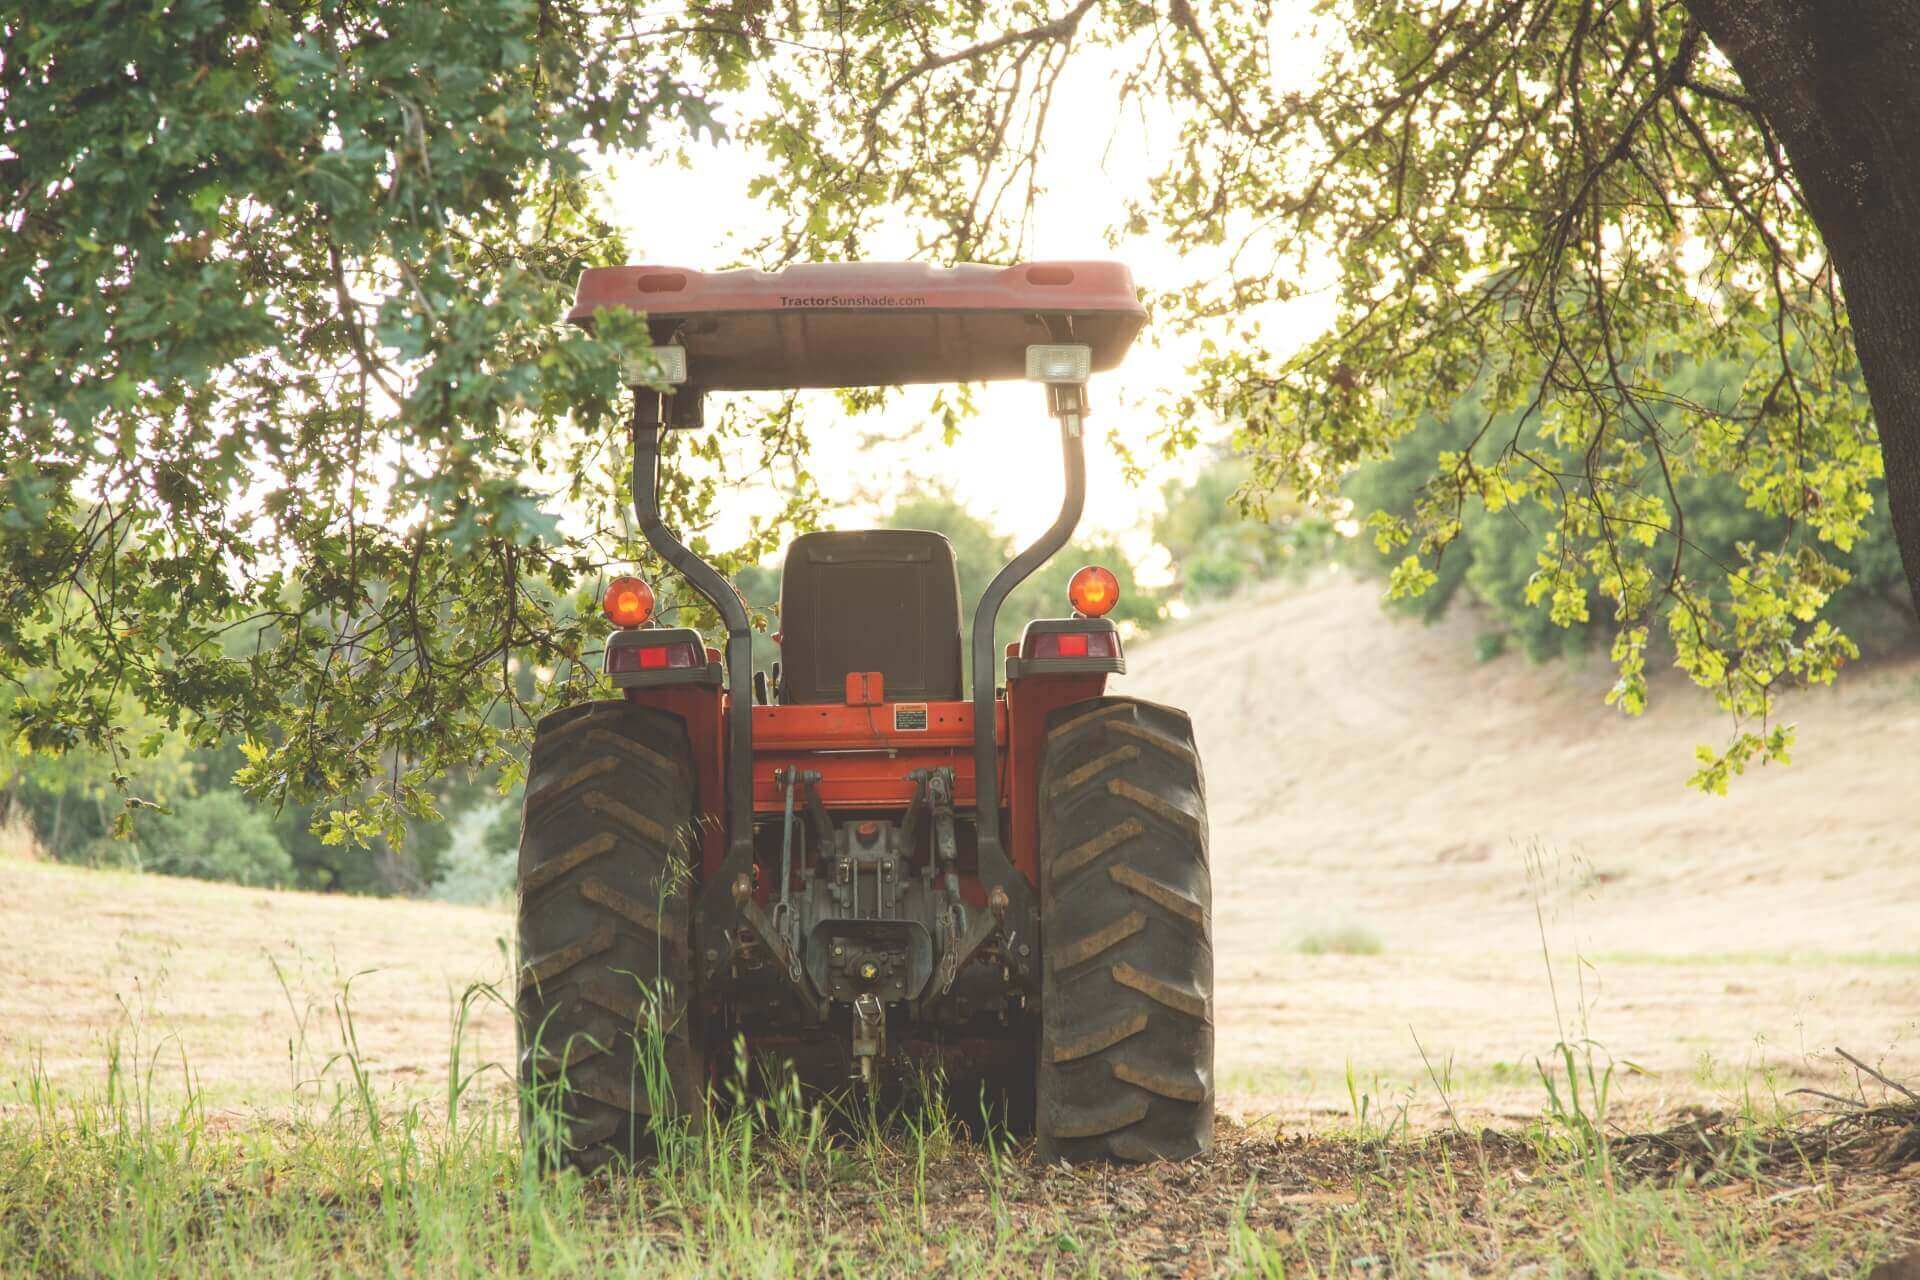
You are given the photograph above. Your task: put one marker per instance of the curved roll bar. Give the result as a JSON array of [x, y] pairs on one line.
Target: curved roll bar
[[704, 578], [986, 616]]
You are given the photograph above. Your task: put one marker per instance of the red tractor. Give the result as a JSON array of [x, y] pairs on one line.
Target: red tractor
[[849, 863]]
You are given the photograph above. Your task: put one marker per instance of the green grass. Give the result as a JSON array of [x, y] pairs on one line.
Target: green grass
[[345, 1178]]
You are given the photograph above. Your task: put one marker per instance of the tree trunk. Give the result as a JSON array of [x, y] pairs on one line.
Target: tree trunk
[[1839, 81]]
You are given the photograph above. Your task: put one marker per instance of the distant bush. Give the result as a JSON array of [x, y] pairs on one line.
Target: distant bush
[[215, 836], [481, 860], [980, 551], [1217, 548]]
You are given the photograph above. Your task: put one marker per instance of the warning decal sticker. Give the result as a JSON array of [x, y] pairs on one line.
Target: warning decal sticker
[[909, 717]]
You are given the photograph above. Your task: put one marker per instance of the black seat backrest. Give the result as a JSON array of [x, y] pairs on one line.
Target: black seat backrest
[[885, 600]]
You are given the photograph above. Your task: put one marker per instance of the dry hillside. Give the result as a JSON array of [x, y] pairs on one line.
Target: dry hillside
[[1371, 784]]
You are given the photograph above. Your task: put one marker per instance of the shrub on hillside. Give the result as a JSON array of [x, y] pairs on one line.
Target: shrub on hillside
[[483, 854], [979, 552], [1218, 548], [215, 836]]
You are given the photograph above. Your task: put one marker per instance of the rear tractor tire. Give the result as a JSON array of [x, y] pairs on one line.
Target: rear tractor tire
[[606, 1041], [1126, 1039]]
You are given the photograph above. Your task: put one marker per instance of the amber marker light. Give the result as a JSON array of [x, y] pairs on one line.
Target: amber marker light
[[1094, 591], [628, 602]]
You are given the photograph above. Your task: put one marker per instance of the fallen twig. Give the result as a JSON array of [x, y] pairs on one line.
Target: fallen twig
[[1830, 1097], [1886, 1080]]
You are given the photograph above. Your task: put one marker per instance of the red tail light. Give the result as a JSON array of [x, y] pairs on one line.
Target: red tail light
[[655, 657], [1074, 644]]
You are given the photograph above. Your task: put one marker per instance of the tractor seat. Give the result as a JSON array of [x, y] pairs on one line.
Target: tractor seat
[[885, 600]]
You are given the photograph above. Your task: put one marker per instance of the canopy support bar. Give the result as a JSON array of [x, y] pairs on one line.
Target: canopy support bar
[[716, 903], [996, 868]]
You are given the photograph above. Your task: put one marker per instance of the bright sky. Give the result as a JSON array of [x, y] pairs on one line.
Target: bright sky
[[1005, 466]]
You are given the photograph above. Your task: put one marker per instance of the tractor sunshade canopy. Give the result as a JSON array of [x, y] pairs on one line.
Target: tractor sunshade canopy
[[858, 324]]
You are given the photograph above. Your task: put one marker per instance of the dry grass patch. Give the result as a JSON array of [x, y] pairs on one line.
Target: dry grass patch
[[1341, 940]]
